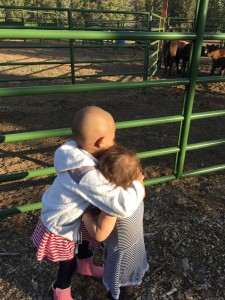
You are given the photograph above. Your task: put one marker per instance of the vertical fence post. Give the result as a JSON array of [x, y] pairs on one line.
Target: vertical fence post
[[190, 90], [147, 48], [162, 27], [72, 66]]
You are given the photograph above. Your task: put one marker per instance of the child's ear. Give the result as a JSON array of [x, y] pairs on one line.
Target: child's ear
[[100, 143]]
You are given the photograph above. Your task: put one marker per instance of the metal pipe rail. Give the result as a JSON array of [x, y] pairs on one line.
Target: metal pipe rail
[[76, 46], [147, 154], [120, 125], [75, 76], [98, 35], [163, 179], [34, 79], [22, 91], [18, 137], [72, 62], [57, 22], [209, 23], [60, 89]]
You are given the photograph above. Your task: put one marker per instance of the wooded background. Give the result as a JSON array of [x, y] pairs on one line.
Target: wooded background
[[178, 8]]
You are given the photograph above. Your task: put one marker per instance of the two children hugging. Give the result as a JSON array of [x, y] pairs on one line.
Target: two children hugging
[[60, 235]]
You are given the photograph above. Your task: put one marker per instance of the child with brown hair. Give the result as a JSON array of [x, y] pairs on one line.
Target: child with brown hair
[[124, 251], [79, 184]]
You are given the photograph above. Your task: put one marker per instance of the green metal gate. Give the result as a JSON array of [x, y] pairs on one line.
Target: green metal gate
[[184, 119], [67, 19]]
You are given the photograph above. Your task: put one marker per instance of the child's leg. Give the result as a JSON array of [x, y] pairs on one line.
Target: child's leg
[[85, 256], [65, 272], [84, 251], [62, 286], [85, 263], [126, 293]]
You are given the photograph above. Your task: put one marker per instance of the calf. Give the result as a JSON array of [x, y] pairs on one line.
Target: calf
[[174, 51], [218, 60], [185, 53], [170, 56], [210, 48]]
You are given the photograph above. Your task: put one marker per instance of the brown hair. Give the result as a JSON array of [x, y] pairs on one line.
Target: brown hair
[[119, 165]]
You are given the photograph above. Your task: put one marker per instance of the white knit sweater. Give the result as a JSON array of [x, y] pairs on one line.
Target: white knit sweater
[[78, 184]]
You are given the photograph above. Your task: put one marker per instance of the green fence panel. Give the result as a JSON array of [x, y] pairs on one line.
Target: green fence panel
[[51, 18], [184, 119]]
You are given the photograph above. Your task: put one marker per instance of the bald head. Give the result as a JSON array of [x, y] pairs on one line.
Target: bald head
[[92, 125]]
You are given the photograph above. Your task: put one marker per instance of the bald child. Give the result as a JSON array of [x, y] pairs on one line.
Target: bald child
[[79, 184]]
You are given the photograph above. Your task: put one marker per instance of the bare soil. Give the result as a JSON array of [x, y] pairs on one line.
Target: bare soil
[[184, 219]]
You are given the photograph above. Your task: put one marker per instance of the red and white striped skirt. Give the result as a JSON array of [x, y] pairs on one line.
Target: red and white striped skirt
[[57, 248]]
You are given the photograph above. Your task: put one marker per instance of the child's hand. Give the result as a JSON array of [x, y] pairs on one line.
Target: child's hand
[[140, 177]]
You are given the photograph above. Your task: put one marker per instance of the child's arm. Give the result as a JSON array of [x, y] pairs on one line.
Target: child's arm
[[101, 228], [114, 200]]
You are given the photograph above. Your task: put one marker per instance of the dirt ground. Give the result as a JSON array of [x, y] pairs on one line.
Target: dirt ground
[[184, 219]]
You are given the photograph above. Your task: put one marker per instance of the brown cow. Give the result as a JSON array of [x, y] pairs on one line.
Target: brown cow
[[185, 53], [212, 47], [218, 60], [174, 51], [171, 54]]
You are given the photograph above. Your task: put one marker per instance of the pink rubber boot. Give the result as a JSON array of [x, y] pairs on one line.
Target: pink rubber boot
[[86, 267], [62, 294]]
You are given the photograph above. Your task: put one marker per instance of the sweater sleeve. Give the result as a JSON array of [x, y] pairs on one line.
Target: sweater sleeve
[[112, 199]]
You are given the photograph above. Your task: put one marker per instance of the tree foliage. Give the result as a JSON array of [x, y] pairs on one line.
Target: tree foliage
[[177, 8]]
